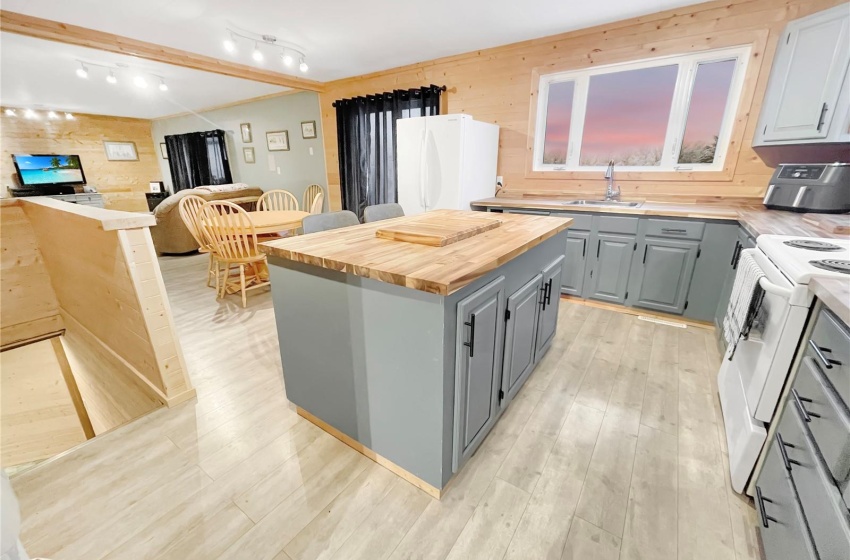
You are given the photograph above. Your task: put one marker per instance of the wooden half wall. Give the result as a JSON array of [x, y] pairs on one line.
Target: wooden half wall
[[498, 85], [97, 270]]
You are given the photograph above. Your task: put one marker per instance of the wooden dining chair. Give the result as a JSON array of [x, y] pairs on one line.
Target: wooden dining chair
[[317, 204], [234, 240], [190, 210], [278, 199], [310, 197]]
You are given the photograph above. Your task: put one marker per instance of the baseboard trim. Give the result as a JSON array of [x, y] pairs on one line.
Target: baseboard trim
[[638, 312], [366, 452]]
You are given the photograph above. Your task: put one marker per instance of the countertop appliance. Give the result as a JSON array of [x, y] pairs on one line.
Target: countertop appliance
[[751, 382], [445, 161], [822, 188]]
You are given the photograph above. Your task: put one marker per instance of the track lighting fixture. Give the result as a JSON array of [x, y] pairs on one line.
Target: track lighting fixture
[[140, 82], [52, 115], [69, 117], [11, 113], [111, 78], [257, 55], [230, 44], [288, 51], [82, 71], [303, 66], [30, 114], [286, 58], [162, 85]]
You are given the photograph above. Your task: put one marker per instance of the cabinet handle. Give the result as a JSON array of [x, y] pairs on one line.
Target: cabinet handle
[[598, 244], [583, 247], [471, 343], [548, 294], [735, 254], [675, 231], [782, 445], [820, 118], [827, 363], [645, 247], [760, 504], [798, 400]]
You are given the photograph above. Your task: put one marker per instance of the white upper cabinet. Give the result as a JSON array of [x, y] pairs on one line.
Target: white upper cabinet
[[804, 101]]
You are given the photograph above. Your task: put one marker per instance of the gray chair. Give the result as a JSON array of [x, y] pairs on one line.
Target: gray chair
[[379, 212], [332, 220]]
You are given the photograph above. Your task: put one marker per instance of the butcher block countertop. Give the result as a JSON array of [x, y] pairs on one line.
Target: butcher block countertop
[[439, 270], [835, 294], [755, 218]]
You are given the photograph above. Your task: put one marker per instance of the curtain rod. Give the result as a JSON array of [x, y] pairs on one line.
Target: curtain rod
[[432, 87]]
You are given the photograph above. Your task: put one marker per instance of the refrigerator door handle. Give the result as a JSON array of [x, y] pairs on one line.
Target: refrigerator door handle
[[422, 163]]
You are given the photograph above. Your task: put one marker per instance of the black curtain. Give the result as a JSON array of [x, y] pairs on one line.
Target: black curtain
[[197, 159], [366, 138]]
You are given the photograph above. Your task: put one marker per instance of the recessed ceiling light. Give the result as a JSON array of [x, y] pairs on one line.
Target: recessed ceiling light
[[257, 54], [111, 78], [10, 112], [82, 71], [140, 81], [303, 66], [286, 58], [69, 116], [162, 85]]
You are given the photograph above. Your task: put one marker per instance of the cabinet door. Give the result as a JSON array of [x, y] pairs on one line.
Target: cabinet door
[[663, 275], [608, 277], [572, 278], [809, 68], [521, 326], [478, 366], [547, 321]]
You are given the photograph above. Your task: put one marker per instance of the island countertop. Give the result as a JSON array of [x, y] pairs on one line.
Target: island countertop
[[441, 270]]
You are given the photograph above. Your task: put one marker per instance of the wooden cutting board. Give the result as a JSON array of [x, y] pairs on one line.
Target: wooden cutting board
[[436, 230]]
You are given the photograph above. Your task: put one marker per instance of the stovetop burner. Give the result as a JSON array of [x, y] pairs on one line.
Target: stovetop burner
[[812, 245], [833, 265]]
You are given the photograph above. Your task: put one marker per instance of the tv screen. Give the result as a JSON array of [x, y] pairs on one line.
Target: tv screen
[[49, 169]]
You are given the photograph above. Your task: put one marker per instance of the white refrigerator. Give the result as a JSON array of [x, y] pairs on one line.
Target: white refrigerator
[[445, 161]]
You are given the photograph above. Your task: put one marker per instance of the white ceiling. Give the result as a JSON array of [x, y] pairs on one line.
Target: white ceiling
[[341, 37], [40, 74]]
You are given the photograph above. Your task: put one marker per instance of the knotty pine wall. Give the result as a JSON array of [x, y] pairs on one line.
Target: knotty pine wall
[[122, 183], [498, 85]]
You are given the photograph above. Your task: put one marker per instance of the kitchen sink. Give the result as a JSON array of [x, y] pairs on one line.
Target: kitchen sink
[[602, 203]]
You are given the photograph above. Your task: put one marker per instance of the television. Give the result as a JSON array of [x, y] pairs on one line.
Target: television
[[36, 170]]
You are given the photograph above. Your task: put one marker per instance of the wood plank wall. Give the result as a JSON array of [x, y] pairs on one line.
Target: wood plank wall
[[123, 183], [497, 85]]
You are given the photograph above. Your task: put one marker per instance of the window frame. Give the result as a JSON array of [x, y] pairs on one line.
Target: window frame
[[688, 64]]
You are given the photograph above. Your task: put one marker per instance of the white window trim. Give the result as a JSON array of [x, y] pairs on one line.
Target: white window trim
[[682, 91]]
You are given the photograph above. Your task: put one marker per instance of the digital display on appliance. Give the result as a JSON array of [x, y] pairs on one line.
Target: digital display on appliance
[[49, 169]]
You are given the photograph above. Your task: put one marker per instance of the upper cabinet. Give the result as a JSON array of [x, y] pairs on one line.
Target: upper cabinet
[[805, 101]]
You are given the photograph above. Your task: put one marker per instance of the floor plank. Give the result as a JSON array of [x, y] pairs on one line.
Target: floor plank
[[589, 542]]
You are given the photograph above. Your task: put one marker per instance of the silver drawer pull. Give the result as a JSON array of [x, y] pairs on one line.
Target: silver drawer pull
[[827, 363], [807, 416], [782, 445], [760, 504], [673, 230]]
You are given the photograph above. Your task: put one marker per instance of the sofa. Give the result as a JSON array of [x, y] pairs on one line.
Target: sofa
[[170, 235]]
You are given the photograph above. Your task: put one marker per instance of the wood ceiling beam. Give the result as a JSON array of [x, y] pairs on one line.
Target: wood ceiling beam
[[83, 37]]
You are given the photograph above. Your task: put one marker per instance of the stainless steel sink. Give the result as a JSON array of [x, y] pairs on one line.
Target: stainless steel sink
[[619, 203]]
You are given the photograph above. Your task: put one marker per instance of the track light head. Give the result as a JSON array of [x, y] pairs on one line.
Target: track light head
[[52, 115], [111, 78], [30, 114], [286, 58], [69, 117], [162, 85], [230, 44], [11, 113], [82, 71], [303, 66], [140, 82], [257, 55]]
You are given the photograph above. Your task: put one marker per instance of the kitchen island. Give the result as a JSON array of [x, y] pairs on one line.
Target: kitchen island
[[408, 338]]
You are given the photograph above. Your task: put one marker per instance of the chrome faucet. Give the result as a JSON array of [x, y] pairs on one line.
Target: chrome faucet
[[610, 193]]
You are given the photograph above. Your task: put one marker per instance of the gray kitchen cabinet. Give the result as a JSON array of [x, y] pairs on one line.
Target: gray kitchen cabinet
[[479, 350], [547, 320], [743, 241], [608, 275], [661, 279], [521, 320], [801, 103], [575, 265]]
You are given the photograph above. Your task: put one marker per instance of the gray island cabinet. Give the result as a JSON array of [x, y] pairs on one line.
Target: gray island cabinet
[[410, 352]]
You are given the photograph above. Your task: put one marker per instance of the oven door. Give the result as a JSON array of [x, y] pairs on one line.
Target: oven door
[[764, 359]]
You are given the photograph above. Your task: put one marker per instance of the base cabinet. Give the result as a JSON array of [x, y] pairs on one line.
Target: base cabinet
[[572, 279], [661, 278], [521, 321], [547, 320], [608, 276], [480, 343]]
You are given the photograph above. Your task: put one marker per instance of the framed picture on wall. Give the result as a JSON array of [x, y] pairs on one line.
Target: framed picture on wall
[[278, 141], [245, 129], [163, 149], [248, 154], [121, 151], [308, 129]]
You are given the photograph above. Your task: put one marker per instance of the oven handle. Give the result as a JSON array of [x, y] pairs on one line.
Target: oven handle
[[772, 288]]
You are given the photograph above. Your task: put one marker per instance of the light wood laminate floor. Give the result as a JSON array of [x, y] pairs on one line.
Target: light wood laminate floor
[[613, 449]]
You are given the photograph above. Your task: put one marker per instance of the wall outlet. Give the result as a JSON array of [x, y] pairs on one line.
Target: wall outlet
[[500, 180]]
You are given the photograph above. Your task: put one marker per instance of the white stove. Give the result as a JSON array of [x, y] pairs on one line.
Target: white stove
[[754, 371]]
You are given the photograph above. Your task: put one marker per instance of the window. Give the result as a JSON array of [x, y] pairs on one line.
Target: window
[[667, 114]]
